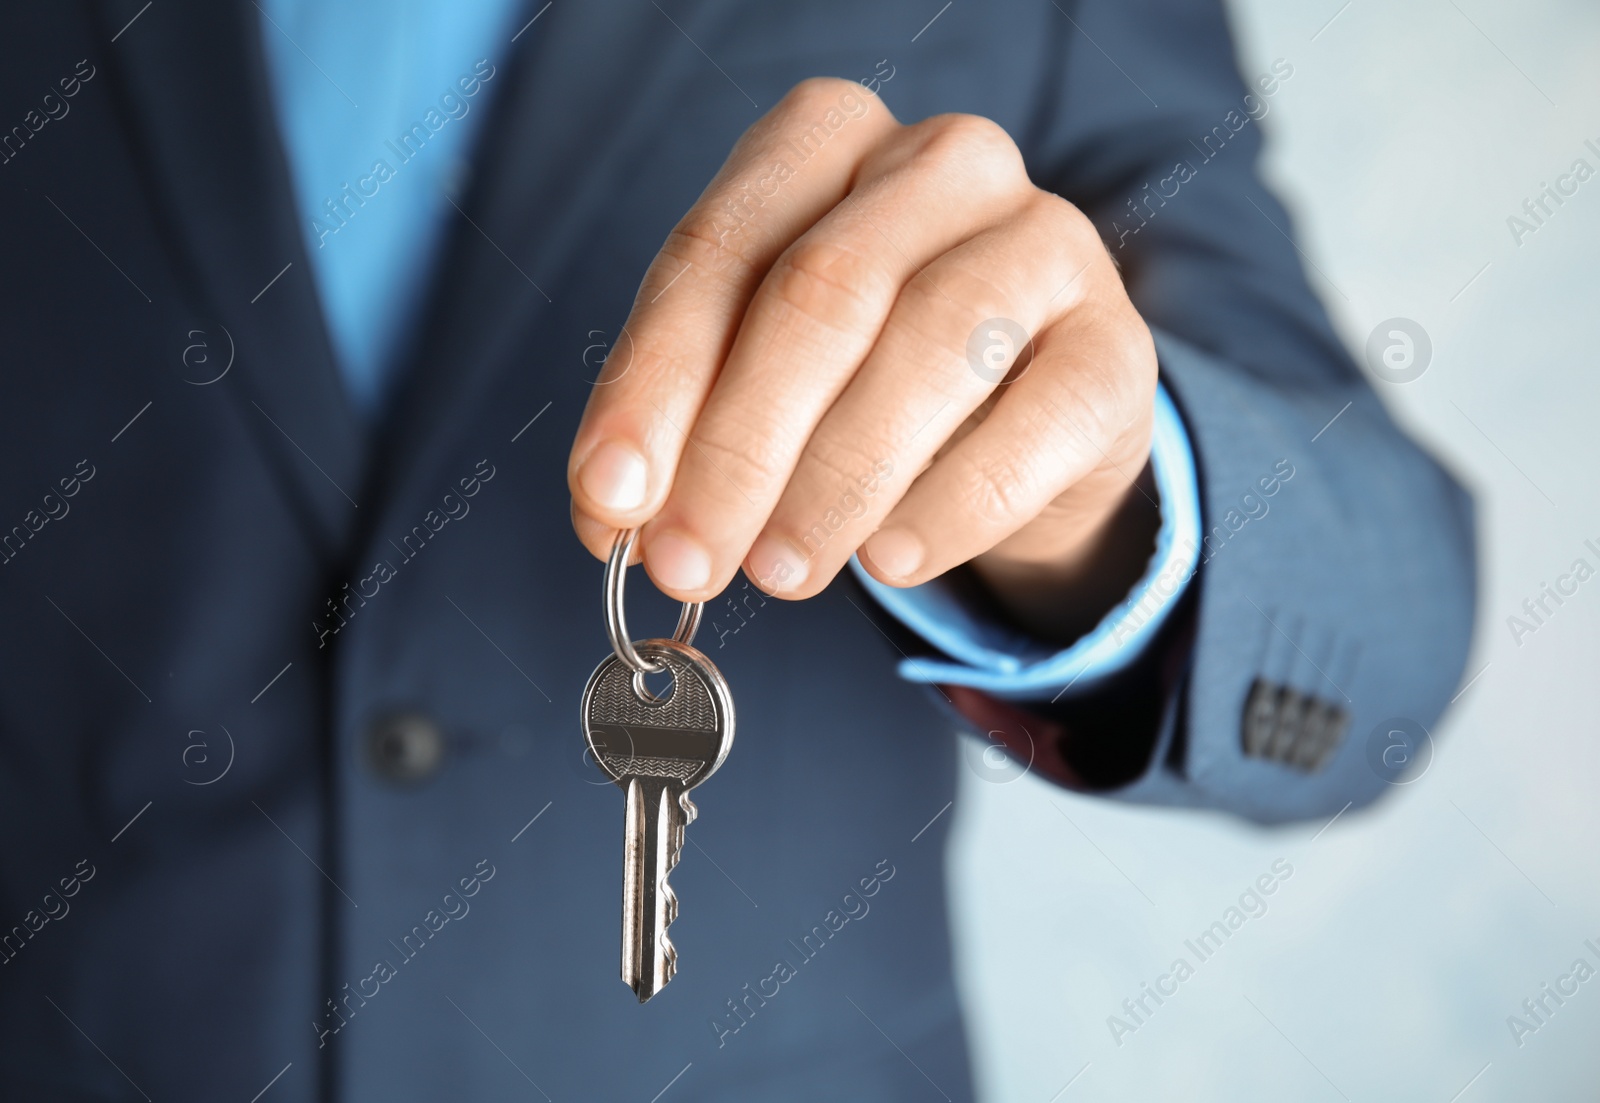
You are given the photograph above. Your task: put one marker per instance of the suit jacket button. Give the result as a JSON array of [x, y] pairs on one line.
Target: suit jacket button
[[405, 747]]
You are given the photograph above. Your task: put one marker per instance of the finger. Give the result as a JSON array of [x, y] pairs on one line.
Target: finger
[[1042, 472], [810, 325], [597, 536], [694, 292], [918, 387]]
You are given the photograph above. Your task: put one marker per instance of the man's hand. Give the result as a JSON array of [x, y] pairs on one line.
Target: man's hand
[[830, 352]]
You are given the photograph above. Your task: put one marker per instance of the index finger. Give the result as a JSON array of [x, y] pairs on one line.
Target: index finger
[[788, 170]]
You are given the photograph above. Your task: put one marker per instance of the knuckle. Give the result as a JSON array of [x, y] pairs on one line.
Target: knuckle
[[1063, 219], [1084, 416], [744, 457], [949, 302], [975, 146], [1099, 410], [1122, 378], [837, 484], [839, 466], [659, 360], [814, 93], [1083, 268], [996, 490], [703, 241], [828, 283], [1136, 353]]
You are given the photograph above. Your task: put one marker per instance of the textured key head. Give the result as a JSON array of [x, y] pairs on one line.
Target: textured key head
[[683, 737]]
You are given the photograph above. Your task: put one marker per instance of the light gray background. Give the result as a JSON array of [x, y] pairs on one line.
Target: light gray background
[[1389, 962]]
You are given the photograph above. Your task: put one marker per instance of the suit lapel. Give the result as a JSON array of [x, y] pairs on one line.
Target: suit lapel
[[195, 99], [586, 86], [559, 131]]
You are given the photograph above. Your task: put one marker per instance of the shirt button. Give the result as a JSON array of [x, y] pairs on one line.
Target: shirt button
[[405, 747]]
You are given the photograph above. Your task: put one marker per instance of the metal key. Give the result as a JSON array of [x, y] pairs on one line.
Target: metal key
[[656, 750]]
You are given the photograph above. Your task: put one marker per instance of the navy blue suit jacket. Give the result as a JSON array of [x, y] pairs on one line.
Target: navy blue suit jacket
[[212, 875]]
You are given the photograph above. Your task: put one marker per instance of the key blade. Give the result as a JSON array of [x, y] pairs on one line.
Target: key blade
[[655, 749], [654, 827]]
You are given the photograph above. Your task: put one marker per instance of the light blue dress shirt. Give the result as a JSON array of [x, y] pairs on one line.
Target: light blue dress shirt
[[349, 81], [379, 105]]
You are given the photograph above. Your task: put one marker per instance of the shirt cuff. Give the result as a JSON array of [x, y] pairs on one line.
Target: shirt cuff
[[986, 654]]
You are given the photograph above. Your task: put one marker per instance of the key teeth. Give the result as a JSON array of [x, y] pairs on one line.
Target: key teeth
[[669, 952], [669, 962], [651, 980]]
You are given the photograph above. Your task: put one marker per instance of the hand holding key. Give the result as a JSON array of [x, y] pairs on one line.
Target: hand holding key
[[885, 337]]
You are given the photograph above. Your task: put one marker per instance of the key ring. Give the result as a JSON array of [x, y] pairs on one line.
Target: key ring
[[616, 622]]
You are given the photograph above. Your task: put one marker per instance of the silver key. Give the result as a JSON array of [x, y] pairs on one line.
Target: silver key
[[656, 750]]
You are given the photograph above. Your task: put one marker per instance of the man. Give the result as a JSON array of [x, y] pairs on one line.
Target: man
[[307, 311]]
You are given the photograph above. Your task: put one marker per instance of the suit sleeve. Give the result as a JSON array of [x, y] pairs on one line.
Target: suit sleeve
[[1334, 597]]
